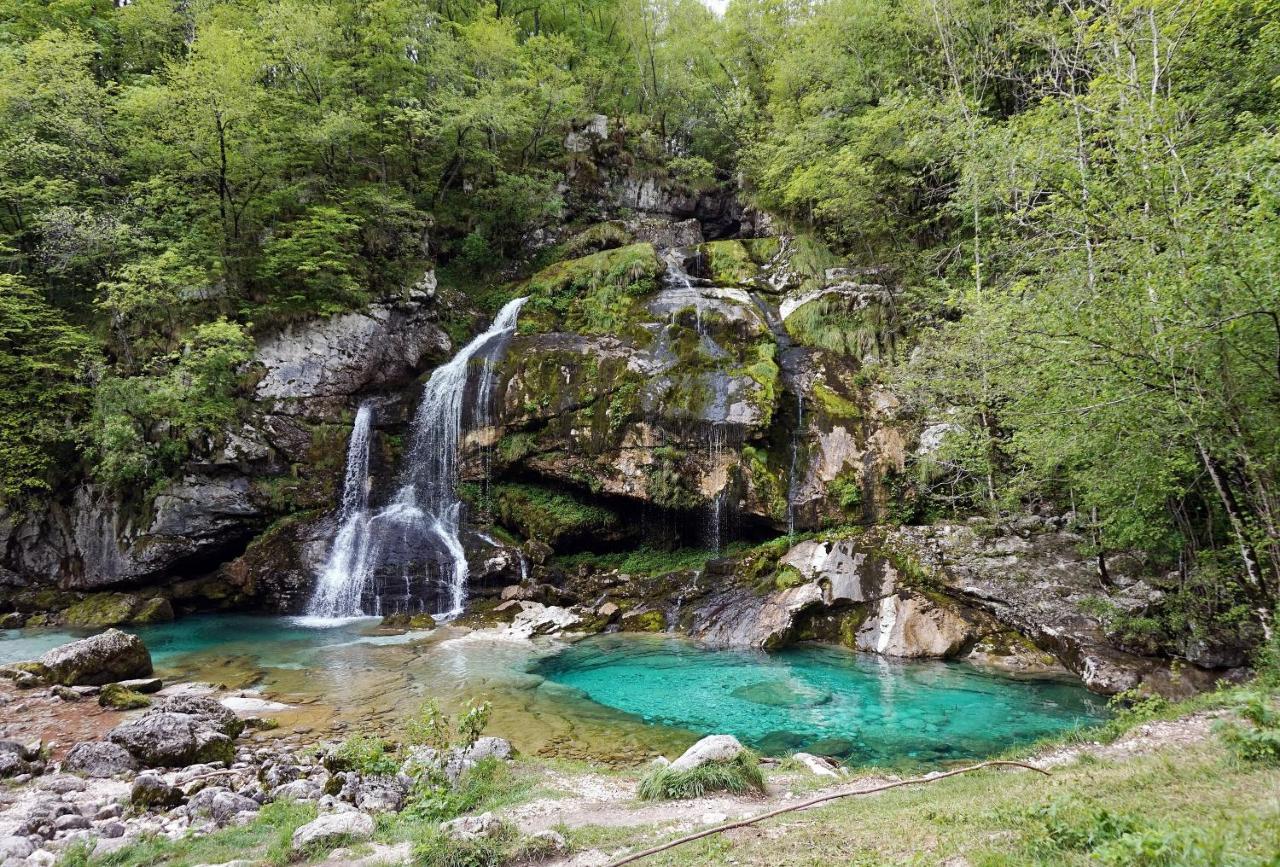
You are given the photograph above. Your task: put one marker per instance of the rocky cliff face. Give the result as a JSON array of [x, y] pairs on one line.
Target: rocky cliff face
[[678, 381]]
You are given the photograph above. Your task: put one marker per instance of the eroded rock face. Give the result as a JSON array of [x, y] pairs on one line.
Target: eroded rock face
[[105, 658], [332, 359]]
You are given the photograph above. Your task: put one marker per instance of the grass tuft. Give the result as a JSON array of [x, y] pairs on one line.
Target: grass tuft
[[739, 775]]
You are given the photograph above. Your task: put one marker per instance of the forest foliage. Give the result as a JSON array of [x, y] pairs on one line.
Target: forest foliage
[[1076, 201]]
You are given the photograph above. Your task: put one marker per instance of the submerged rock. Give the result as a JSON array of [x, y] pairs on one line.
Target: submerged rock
[[106, 658]]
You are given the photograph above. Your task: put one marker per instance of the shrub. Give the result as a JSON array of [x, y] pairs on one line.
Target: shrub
[[438, 849], [739, 775], [1258, 739], [368, 755]]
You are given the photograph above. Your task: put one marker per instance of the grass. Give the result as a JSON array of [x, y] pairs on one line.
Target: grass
[[641, 561], [267, 839], [1191, 807], [738, 776]]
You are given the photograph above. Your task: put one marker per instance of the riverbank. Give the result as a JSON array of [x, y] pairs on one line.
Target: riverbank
[[1166, 790]]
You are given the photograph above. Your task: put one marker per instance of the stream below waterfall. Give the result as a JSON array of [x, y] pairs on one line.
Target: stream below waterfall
[[617, 698]]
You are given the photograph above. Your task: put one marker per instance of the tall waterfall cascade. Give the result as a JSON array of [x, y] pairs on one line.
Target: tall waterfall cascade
[[419, 528]]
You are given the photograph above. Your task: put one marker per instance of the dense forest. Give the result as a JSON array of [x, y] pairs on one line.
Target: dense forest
[[1078, 200]]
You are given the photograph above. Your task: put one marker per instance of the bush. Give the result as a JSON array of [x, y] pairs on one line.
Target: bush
[[739, 775], [368, 755]]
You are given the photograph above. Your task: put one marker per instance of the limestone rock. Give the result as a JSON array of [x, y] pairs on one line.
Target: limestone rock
[[713, 748], [118, 697], [908, 625], [331, 829], [207, 708], [15, 848], [98, 759], [111, 656], [150, 791], [164, 739], [221, 803], [472, 827]]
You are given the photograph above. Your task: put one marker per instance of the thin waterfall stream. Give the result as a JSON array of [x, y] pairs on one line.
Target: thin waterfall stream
[[419, 528]]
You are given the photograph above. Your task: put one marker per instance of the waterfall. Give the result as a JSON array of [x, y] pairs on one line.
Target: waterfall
[[425, 513], [335, 593], [792, 480], [715, 459]]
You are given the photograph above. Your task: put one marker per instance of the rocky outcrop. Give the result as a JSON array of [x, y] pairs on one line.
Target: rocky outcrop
[[324, 362]]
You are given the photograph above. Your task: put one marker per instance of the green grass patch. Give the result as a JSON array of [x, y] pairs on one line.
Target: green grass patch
[[641, 561], [547, 515]]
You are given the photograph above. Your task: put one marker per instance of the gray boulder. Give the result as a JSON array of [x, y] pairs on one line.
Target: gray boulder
[[472, 827], [713, 748], [221, 803], [207, 708], [381, 795], [297, 790], [332, 829], [105, 658], [98, 759], [173, 740], [15, 848]]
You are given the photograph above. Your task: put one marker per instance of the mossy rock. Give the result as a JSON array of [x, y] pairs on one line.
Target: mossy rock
[[112, 609], [644, 621], [118, 697], [596, 294], [409, 621], [549, 515], [844, 324], [788, 577], [729, 262], [779, 693], [599, 237]]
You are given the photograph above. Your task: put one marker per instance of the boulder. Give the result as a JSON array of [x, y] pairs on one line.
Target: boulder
[[713, 748], [13, 765], [113, 609], [207, 708], [297, 790], [221, 803], [380, 795], [28, 752], [105, 658], [15, 849], [819, 767], [165, 739], [490, 748], [332, 829], [150, 791], [98, 759]]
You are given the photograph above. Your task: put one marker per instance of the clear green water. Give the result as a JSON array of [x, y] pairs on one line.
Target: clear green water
[[868, 709], [619, 698]]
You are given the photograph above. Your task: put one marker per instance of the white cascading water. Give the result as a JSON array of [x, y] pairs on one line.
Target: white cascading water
[[426, 509]]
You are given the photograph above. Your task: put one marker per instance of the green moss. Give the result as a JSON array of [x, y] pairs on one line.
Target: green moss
[[729, 262], [844, 324], [769, 484], [787, 577], [845, 490], [113, 609], [640, 561], [761, 250], [596, 294], [601, 236], [646, 621], [762, 367], [548, 515], [117, 697], [834, 405]]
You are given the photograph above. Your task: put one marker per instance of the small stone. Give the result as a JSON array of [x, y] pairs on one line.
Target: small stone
[[70, 822], [472, 827], [111, 830], [15, 848], [62, 784], [146, 685]]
